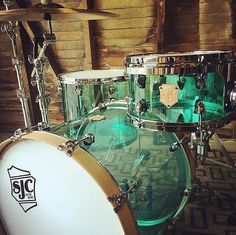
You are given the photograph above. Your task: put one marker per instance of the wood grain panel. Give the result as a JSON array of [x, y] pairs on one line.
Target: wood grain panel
[[6, 61], [69, 54], [182, 25], [4, 39], [112, 4], [65, 26], [121, 42], [5, 47], [68, 63], [125, 33], [68, 45], [215, 24], [123, 51], [134, 32], [134, 12], [109, 62], [134, 23], [65, 3], [11, 123], [67, 36]]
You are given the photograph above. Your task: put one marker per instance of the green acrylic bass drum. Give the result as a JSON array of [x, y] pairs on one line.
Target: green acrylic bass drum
[[142, 164]]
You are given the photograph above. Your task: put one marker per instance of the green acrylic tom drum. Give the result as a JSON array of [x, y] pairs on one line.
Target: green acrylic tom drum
[[84, 90], [165, 89], [139, 157]]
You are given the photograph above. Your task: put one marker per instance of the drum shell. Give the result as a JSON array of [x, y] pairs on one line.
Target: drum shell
[[184, 70], [84, 90]]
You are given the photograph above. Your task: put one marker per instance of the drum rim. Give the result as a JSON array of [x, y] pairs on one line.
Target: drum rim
[[172, 63], [192, 171], [179, 54], [154, 125], [103, 177], [68, 78]]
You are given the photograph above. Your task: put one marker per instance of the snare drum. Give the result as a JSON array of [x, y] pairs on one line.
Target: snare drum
[[165, 89], [43, 191], [83, 90], [144, 160]]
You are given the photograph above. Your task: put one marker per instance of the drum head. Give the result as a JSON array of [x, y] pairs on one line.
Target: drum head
[[161, 175], [43, 191], [111, 130]]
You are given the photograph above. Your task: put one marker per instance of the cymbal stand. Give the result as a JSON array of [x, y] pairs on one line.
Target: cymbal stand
[[40, 63], [10, 30]]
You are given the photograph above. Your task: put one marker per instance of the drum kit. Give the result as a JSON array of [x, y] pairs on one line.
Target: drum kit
[[121, 155]]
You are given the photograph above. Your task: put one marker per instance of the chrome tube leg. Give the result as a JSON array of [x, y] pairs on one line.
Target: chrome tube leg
[[43, 98], [9, 29]]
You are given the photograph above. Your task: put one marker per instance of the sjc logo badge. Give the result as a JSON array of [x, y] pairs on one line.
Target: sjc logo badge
[[22, 187]]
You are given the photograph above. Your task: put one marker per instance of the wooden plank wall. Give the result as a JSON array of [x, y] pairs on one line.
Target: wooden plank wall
[[134, 32], [216, 24], [200, 25], [182, 26]]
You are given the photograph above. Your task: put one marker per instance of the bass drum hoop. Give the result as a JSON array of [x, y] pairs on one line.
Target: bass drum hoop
[[104, 179]]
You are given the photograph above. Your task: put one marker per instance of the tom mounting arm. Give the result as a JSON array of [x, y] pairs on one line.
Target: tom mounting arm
[[39, 64]]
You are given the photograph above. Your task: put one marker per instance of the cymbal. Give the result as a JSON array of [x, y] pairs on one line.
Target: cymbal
[[55, 12]]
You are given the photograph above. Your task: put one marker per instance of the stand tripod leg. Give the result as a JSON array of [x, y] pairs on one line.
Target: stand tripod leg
[[219, 163], [198, 188], [223, 150]]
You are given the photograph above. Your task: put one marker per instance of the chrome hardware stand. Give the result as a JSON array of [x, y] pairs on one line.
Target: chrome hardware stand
[[9, 29], [37, 74]]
